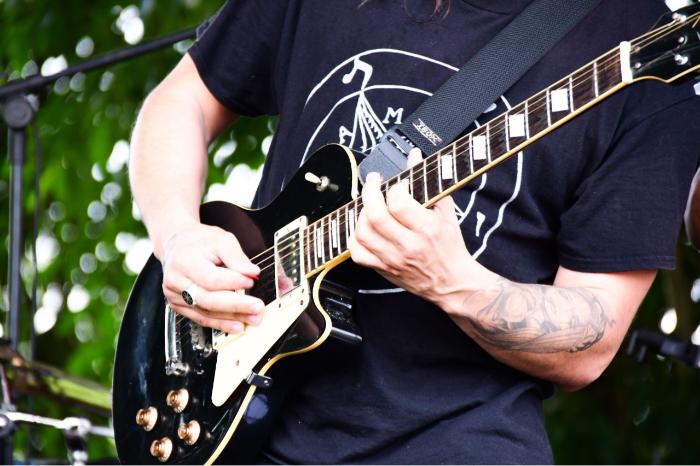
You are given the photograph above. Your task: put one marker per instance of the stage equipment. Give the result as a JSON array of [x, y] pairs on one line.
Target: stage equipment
[[663, 345], [18, 113]]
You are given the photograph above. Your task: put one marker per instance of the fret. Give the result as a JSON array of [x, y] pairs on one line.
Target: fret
[[425, 179], [497, 138], [438, 158], [317, 254], [470, 154], [571, 93], [334, 233], [343, 224], [307, 234], [417, 190], [549, 114], [583, 88], [322, 243], [462, 159], [559, 98], [595, 77], [609, 74], [479, 149], [537, 115], [506, 130], [433, 176], [349, 225], [410, 181], [338, 236], [454, 162], [527, 120], [331, 237]]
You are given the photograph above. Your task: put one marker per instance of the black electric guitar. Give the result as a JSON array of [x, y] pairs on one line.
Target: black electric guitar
[[188, 394]]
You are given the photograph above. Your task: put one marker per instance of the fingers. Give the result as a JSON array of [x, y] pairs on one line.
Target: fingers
[[212, 259], [414, 157], [375, 210], [230, 326]]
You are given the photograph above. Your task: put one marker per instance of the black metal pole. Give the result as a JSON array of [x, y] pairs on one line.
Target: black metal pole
[[18, 114], [17, 157], [37, 82]]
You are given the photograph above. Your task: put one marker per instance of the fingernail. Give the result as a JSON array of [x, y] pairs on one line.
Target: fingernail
[[235, 327]]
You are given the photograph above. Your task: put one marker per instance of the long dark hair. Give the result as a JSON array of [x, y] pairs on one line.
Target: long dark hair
[[439, 5]]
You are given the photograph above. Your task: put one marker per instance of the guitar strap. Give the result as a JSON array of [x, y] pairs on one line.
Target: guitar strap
[[470, 91]]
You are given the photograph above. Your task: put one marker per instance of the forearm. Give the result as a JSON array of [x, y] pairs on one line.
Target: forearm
[[564, 334], [168, 164], [692, 212]]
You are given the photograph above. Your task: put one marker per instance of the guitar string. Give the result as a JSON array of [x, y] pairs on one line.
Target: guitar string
[[649, 37], [584, 78], [432, 160]]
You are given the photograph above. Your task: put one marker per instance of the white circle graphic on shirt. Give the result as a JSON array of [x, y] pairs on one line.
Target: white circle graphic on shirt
[[359, 81]]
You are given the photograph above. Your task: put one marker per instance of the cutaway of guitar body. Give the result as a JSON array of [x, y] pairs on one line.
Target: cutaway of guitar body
[[235, 431]]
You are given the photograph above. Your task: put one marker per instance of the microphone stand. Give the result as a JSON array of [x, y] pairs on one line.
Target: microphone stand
[[17, 113]]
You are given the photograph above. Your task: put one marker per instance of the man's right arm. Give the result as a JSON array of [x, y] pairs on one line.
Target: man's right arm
[[168, 170], [692, 212]]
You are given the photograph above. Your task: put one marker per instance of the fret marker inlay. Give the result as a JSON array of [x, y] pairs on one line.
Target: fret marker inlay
[[351, 221], [560, 100], [479, 147], [516, 126], [446, 167], [334, 233]]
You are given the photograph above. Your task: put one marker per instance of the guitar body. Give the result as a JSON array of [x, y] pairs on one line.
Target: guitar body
[[234, 384], [234, 431]]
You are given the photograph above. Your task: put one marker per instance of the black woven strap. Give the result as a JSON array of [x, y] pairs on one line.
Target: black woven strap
[[491, 72]]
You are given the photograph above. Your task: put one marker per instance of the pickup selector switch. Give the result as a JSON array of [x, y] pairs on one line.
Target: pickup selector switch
[[177, 399], [189, 432]]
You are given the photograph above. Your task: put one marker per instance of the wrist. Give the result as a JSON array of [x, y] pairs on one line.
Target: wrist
[[164, 235], [475, 279]]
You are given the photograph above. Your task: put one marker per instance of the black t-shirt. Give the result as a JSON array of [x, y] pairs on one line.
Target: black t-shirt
[[604, 193]]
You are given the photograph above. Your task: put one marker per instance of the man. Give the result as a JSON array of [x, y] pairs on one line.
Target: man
[[472, 316]]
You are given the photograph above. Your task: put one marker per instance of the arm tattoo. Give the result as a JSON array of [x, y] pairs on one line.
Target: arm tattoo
[[537, 318]]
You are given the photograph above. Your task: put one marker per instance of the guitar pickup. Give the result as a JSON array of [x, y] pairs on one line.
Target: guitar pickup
[[289, 260]]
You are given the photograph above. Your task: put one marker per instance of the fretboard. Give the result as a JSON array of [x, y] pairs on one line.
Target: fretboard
[[453, 166]]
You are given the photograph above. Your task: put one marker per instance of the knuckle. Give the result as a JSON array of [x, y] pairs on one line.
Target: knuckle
[[208, 281], [412, 253]]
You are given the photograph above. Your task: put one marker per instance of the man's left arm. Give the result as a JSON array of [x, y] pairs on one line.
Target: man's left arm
[[567, 332]]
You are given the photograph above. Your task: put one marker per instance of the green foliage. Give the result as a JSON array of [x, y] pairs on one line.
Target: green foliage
[[85, 206], [635, 413]]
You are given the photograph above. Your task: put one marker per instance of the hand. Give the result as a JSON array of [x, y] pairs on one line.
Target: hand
[[421, 250], [212, 259]]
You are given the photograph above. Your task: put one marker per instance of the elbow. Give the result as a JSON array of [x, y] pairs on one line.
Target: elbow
[[584, 375]]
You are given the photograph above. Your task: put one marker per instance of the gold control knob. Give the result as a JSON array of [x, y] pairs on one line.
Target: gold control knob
[[147, 418], [177, 399], [162, 449], [189, 432]]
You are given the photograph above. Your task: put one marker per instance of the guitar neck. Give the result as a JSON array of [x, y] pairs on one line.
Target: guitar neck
[[327, 239], [446, 170]]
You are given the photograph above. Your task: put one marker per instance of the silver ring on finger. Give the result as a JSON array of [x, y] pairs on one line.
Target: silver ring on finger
[[190, 295]]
